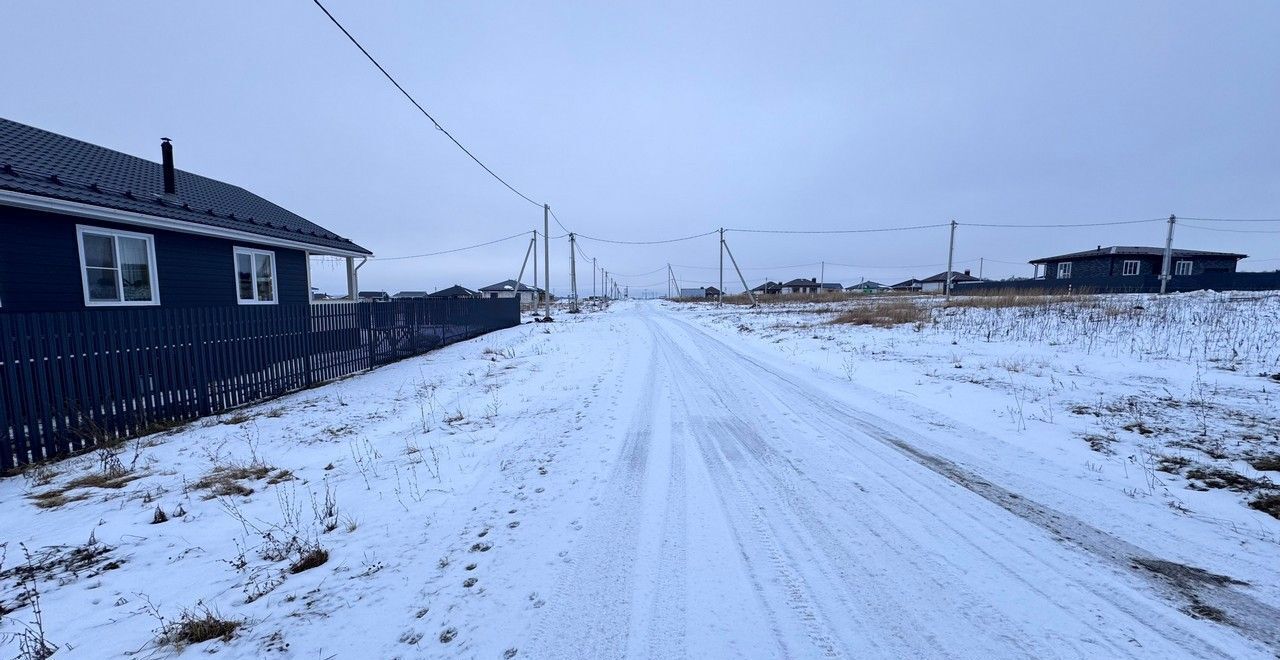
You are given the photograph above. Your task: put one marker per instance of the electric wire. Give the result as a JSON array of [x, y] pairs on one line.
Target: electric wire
[[1230, 231], [421, 109], [655, 270], [1062, 225], [835, 231], [460, 249], [669, 240], [1232, 219]]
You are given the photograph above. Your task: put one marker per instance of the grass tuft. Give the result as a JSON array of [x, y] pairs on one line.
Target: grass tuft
[[1268, 504], [197, 626], [309, 558]]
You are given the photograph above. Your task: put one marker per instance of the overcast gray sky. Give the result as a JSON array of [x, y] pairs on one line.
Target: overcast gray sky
[[650, 120]]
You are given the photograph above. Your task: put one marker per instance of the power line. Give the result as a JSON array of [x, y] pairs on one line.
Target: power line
[[901, 267], [1233, 219], [835, 231], [1230, 231], [669, 240], [751, 268], [655, 270], [420, 108], [434, 254], [557, 219], [1079, 224]]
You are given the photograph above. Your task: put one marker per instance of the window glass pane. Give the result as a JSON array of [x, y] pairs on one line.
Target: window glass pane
[[102, 284], [135, 268], [99, 251], [266, 287], [244, 276]]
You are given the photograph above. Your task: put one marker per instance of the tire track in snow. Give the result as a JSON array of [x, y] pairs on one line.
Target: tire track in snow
[[590, 614], [743, 509], [1187, 586]]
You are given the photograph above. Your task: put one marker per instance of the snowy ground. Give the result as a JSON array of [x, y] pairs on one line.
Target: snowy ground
[[664, 480]]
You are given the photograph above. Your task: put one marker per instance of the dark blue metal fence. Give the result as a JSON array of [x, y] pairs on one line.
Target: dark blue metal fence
[[71, 379]]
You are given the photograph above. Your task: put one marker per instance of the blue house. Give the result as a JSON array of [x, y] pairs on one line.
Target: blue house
[[89, 227]]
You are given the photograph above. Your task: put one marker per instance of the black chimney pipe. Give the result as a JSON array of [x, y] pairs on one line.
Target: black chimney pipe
[[166, 153]]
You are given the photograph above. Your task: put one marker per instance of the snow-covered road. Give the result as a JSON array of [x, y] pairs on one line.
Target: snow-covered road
[[649, 481], [750, 514]]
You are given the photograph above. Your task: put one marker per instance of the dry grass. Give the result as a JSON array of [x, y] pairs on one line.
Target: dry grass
[[309, 558], [1267, 463], [194, 627], [743, 299], [1268, 504], [1009, 298], [884, 314], [225, 480], [113, 480], [52, 499]]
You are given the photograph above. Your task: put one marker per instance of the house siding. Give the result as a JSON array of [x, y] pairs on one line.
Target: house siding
[[40, 265], [1112, 266]]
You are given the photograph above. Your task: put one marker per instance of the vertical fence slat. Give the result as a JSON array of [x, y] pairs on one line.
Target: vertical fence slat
[[11, 418]]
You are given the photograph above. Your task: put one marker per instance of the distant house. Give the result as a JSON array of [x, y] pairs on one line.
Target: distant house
[[86, 227], [907, 285], [769, 288], [691, 293], [711, 292], [938, 283], [801, 286], [830, 287], [371, 296], [410, 294], [866, 286], [1108, 266], [507, 289], [456, 291]]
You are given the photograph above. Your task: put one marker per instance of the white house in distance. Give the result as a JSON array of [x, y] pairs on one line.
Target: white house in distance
[[507, 289]]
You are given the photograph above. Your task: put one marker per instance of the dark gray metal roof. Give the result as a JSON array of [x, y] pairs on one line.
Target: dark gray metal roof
[[1136, 251], [38, 162], [955, 277], [509, 285], [456, 290]]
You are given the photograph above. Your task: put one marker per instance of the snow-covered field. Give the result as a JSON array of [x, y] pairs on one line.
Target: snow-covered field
[[668, 480]]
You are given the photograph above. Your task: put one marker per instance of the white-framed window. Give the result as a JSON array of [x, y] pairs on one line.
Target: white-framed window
[[255, 276], [1182, 268], [1064, 270], [1131, 267], [117, 267]]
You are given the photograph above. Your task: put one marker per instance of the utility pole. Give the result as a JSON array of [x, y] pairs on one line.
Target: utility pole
[[573, 276], [546, 254], [739, 270], [822, 274], [668, 281], [951, 253], [535, 274], [533, 249], [1168, 256], [720, 297], [981, 260], [593, 277], [604, 286]]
